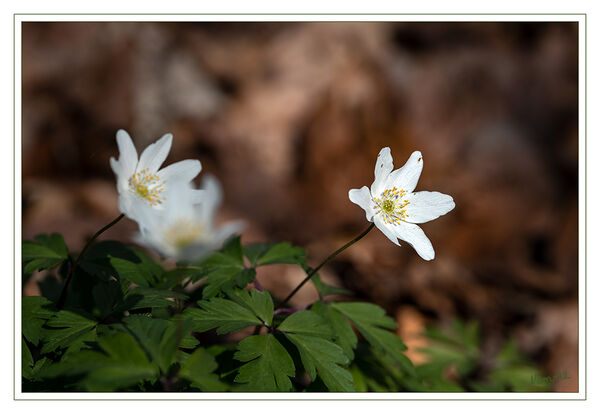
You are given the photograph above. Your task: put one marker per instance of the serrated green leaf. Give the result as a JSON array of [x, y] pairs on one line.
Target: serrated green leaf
[[133, 272], [125, 364], [198, 369], [38, 370], [268, 364], [311, 334], [36, 311], [260, 303], [121, 363], [280, 253], [308, 323], [26, 360], [372, 323], [325, 289], [40, 264], [254, 251], [343, 334], [96, 261], [225, 315], [233, 249], [150, 333], [323, 357], [49, 251], [146, 297], [70, 331], [225, 270]]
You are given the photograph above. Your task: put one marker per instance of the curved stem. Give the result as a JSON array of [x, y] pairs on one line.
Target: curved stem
[[312, 272], [63, 293]]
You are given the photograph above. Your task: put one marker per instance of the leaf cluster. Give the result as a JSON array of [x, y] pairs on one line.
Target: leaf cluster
[[131, 325]]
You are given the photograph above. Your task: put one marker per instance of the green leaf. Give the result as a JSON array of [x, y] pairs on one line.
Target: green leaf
[[26, 360], [310, 333], [260, 254], [36, 311], [306, 322], [233, 249], [150, 332], [145, 297], [268, 364], [373, 324], [107, 296], [46, 252], [260, 303], [96, 261], [323, 357], [343, 334], [456, 345], [136, 273], [151, 267], [225, 270], [71, 331], [198, 368], [225, 315], [125, 364], [176, 276], [325, 289]]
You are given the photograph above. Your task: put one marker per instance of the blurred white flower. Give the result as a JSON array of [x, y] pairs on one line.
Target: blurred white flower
[[184, 228], [394, 208], [140, 183]]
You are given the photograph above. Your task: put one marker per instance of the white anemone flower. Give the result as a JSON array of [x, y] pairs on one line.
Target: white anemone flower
[[393, 206], [184, 228], [140, 183]]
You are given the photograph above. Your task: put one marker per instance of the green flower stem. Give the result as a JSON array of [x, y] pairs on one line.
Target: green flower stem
[[312, 272], [65, 289]]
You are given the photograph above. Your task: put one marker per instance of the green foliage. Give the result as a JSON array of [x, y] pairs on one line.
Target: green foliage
[[198, 369], [312, 337], [268, 367], [372, 323], [130, 325], [228, 316], [118, 363], [68, 330], [46, 252], [343, 334], [225, 270], [261, 254], [36, 311]]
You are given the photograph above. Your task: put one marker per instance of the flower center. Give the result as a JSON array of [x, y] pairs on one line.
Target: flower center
[[391, 205], [184, 233], [147, 186]]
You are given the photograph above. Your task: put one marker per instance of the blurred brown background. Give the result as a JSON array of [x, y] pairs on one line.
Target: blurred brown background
[[290, 116]]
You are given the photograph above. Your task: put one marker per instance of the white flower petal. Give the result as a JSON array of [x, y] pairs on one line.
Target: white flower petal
[[127, 153], [413, 235], [385, 228], [116, 167], [425, 206], [213, 196], [198, 196], [155, 154], [406, 178], [383, 168], [362, 197], [184, 171]]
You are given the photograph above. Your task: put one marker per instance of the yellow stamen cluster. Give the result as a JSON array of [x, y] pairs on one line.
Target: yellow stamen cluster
[[391, 205], [147, 186], [184, 233]]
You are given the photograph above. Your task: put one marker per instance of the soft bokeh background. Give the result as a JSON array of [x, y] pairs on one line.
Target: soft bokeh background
[[290, 116]]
